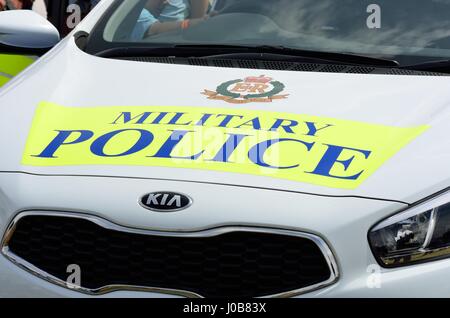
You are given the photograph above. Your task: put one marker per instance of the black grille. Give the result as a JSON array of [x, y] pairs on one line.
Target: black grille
[[281, 66], [234, 264]]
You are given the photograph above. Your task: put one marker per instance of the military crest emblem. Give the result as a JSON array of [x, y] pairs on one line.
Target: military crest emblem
[[260, 89]]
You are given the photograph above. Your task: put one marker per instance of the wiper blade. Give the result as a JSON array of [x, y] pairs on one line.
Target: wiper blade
[[169, 50], [262, 52], [431, 66], [237, 51], [130, 51]]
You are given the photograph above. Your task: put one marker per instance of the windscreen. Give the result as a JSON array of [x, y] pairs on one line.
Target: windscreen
[[383, 28]]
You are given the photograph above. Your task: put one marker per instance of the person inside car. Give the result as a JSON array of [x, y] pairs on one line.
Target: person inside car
[[167, 15]]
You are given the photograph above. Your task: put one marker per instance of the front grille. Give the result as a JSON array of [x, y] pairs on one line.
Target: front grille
[[242, 262]]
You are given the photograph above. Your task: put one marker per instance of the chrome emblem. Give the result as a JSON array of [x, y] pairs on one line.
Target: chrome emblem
[[165, 201]]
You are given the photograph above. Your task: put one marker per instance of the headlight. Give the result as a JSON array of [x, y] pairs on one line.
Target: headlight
[[419, 234]]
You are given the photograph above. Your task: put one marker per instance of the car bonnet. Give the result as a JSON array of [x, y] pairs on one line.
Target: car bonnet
[[378, 136]]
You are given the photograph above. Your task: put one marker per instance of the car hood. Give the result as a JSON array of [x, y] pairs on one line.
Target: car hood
[[399, 122]]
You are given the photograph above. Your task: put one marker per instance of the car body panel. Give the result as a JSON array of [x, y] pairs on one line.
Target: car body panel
[[343, 222], [118, 202], [70, 77], [401, 101]]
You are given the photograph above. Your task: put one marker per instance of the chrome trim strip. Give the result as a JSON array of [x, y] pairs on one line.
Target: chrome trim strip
[[326, 251]]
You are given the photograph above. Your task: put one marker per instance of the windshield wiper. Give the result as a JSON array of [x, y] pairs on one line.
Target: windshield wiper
[[263, 52], [431, 66], [287, 54]]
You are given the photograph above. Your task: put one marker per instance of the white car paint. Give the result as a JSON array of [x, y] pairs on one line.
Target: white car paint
[[343, 217]]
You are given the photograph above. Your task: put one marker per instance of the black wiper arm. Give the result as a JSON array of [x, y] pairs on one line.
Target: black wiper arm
[[230, 51], [169, 50], [432, 66], [131, 51], [262, 52]]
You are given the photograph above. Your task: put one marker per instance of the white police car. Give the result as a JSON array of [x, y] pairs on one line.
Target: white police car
[[257, 148]]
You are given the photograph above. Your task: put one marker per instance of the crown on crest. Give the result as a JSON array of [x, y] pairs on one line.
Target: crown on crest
[[262, 79]]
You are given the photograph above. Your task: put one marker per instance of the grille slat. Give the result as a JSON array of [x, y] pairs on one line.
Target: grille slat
[[240, 263]]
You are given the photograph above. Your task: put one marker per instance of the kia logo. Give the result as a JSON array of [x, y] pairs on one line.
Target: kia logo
[[165, 201]]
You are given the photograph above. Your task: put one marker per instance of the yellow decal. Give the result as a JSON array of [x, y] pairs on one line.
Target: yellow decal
[[4, 78], [323, 151], [11, 65]]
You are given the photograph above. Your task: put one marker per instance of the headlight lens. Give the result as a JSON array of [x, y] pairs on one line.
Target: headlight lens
[[419, 234]]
